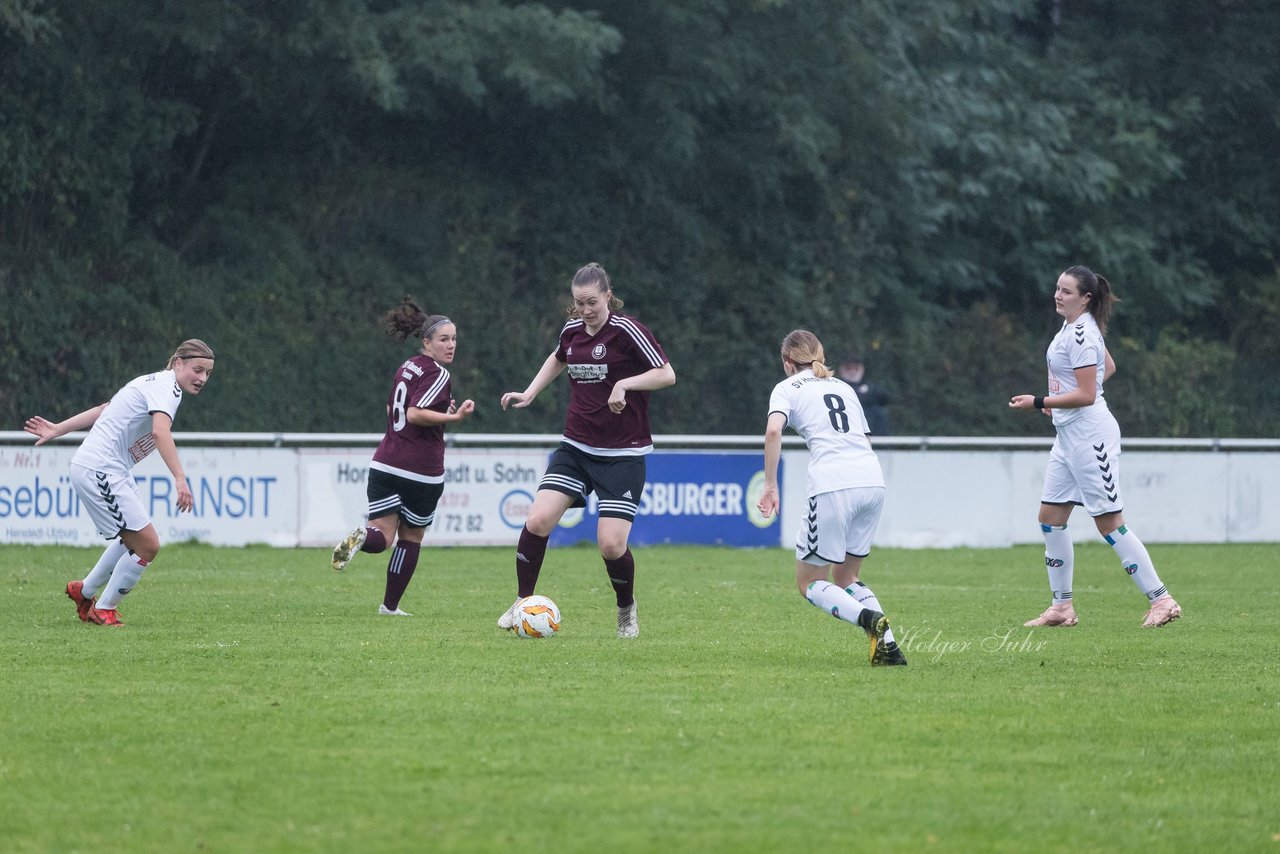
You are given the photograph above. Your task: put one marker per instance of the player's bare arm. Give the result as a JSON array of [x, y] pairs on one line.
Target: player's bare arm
[[1085, 395], [768, 503], [651, 380], [161, 429], [45, 430], [430, 418], [550, 369]]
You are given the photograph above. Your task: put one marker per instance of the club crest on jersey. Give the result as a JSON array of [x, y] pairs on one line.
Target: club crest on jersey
[[598, 352]]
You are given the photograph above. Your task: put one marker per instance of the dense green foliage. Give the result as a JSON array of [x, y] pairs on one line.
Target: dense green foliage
[[905, 179], [255, 702]]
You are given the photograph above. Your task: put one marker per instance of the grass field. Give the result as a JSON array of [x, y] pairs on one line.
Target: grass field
[[255, 702]]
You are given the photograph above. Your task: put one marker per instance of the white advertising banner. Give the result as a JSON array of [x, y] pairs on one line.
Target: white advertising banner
[[487, 494], [242, 495], [940, 499]]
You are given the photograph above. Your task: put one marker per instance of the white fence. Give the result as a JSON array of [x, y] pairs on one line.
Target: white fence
[[308, 489]]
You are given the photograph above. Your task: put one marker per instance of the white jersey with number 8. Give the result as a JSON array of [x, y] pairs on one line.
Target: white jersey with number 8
[[826, 413]]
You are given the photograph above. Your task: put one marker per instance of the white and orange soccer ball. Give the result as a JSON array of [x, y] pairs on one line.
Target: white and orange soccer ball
[[537, 617]]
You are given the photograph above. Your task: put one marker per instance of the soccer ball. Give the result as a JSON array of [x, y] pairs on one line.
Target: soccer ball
[[537, 617]]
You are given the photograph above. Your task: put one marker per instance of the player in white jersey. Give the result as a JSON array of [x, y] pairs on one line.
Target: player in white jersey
[[845, 490], [122, 433], [1084, 465]]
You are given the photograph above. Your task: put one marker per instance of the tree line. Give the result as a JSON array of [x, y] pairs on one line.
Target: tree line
[[906, 180]]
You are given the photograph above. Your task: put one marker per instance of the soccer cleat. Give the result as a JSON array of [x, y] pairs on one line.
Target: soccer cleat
[[1063, 614], [75, 592], [384, 611], [509, 619], [347, 549], [1163, 611], [104, 617], [875, 624], [888, 655], [628, 626]]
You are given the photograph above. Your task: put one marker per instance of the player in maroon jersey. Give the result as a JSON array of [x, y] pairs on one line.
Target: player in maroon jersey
[[613, 363], [406, 476]]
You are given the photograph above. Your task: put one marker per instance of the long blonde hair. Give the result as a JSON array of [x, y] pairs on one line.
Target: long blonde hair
[[192, 348], [802, 348]]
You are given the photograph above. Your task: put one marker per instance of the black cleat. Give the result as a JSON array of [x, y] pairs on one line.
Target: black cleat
[[875, 625], [888, 655]]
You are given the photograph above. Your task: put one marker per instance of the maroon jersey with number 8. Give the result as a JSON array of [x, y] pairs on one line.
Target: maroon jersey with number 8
[[622, 348], [407, 449]]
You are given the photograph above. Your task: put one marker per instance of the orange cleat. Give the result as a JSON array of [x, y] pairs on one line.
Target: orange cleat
[[104, 617], [84, 604]]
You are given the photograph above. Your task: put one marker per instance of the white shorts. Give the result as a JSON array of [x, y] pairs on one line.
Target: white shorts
[[111, 500], [1084, 466], [838, 524]]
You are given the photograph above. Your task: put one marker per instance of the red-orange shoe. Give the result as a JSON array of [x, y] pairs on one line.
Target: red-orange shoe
[[75, 592], [104, 617]]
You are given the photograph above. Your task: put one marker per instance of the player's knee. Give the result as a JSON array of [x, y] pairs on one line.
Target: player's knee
[[612, 548], [540, 525]]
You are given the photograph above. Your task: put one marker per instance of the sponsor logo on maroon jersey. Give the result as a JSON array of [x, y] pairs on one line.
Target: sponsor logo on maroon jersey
[[589, 373]]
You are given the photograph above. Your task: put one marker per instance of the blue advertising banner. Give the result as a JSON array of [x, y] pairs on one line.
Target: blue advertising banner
[[704, 498]]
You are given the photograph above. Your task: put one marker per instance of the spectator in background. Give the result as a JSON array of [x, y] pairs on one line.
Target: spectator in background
[[874, 398]]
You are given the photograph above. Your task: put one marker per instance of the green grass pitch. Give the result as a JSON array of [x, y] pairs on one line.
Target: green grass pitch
[[255, 702]]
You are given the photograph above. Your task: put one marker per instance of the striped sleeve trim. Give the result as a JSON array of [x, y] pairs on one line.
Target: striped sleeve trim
[[429, 396], [646, 347]]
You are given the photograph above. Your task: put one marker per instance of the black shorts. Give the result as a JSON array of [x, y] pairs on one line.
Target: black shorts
[[618, 482], [413, 500]]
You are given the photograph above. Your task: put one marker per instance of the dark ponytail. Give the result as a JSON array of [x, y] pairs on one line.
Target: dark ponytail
[[407, 320], [1098, 289]]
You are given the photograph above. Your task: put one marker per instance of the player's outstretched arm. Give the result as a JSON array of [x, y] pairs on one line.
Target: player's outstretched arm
[[550, 369], [45, 430]]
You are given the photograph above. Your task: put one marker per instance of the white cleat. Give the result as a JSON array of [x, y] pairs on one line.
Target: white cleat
[[1063, 614], [384, 611], [1163, 611], [346, 550], [509, 619], [628, 626]]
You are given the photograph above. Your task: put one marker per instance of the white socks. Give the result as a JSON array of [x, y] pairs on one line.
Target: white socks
[[97, 577], [1060, 560], [867, 599], [833, 600], [123, 578], [1136, 562]]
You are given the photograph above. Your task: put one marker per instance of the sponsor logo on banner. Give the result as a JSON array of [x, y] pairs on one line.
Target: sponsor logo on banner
[[513, 508], [239, 496]]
